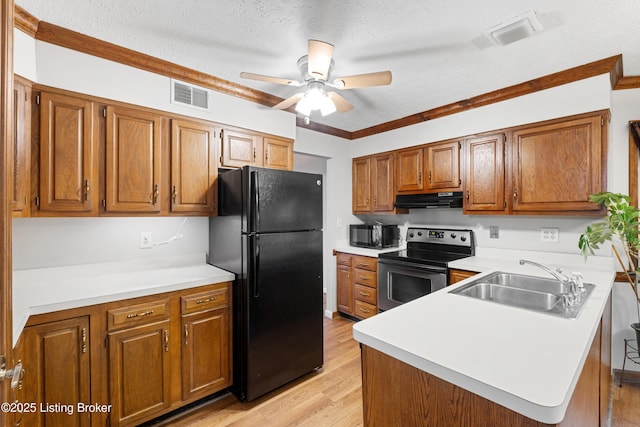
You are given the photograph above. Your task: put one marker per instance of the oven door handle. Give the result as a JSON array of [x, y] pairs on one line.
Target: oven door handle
[[425, 267]]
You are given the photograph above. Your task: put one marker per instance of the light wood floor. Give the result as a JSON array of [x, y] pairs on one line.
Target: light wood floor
[[333, 396]]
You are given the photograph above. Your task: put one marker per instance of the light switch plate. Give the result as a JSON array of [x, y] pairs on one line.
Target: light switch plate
[[145, 240], [494, 232]]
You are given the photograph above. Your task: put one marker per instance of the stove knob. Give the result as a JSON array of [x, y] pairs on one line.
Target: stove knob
[[419, 233], [453, 235], [410, 234], [463, 238]]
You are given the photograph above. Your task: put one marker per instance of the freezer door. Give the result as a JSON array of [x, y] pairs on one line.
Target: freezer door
[[284, 336], [282, 200]]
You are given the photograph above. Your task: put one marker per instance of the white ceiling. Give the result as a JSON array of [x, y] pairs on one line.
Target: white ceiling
[[427, 44]]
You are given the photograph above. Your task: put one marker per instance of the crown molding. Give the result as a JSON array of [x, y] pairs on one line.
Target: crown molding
[[25, 22], [63, 37], [611, 65]]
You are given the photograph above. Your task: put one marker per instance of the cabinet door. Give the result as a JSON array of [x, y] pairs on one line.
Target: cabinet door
[[21, 149], [344, 289], [558, 165], [443, 168], [193, 167], [484, 174], [206, 353], [361, 185], [139, 372], [278, 153], [133, 167], [68, 161], [409, 167], [57, 371], [382, 183], [240, 148]]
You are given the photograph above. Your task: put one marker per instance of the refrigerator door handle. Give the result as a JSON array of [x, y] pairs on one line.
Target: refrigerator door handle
[[255, 201], [255, 260]]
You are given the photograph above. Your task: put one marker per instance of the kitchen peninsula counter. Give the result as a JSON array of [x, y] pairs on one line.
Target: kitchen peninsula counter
[[526, 361], [45, 290]]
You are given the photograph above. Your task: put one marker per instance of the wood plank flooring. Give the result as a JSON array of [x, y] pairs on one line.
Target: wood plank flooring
[[333, 396]]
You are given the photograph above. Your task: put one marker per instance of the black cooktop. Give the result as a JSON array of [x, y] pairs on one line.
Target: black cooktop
[[434, 246]]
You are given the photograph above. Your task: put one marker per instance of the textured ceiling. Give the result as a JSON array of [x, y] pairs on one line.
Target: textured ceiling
[[427, 44]]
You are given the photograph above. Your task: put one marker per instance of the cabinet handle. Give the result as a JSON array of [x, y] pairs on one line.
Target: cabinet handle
[[86, 189], [144, 313], [515, 194], [186, 334], [364, 310], [266, 157], [364, 265], [174, 194], [429, 176], [364, 294], [204, 301], [83, 339], [467, 194], [364, 278], [155, 194], [166, 340], [254, 154], [419, 177]]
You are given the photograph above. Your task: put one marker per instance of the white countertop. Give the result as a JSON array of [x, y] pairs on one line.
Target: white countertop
[[46, 290], [343, 246], [523, 360]]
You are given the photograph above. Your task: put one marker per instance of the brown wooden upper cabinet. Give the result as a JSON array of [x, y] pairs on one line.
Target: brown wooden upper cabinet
[[193, 167], [443, 166], [133, 160], [241, 147], [21, 147], [409, 170], [429, 168], [278, 153], [484, 174], [68, 161], [557, 165], [373, 184]]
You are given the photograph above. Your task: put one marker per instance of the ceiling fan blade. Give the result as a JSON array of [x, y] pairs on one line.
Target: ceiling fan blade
[[289, 101], [270, 79], [320, 54], [342, 105], [381, 78]]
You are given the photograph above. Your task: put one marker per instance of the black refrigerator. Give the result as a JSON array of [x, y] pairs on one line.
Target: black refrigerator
[[269, 233]]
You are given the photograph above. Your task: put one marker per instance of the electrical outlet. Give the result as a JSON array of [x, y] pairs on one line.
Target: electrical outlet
[[549, 234], [145, 240], [494, 232]]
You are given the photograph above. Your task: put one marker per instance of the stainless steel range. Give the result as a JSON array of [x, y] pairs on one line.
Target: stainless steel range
[[422, 268]]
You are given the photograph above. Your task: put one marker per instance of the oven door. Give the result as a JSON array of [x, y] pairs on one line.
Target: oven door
[[401, 282]]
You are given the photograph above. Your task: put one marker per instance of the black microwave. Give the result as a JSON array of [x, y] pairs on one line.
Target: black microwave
[[376, 236]]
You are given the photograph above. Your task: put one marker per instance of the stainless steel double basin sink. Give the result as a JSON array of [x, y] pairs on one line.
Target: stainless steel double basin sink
[[527, 292]]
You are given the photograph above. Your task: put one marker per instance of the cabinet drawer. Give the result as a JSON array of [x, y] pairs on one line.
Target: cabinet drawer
[[343, 259], [137, 314], [365, 262], [365, 277], [364, 310], [366, 294], [205, 300]]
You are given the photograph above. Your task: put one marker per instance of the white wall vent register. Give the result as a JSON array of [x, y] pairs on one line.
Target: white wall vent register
[[186, 94]]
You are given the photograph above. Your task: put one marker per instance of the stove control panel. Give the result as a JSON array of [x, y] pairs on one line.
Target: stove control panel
[[440, 236]]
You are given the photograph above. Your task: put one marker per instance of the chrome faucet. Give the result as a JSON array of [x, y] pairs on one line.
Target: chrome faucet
[[573, 282]]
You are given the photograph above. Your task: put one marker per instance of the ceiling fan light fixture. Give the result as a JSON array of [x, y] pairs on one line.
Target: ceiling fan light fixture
[[327, 106], [515, 29], [304, 106]]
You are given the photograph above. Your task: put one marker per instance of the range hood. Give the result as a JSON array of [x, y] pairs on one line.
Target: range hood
[[430, 200]]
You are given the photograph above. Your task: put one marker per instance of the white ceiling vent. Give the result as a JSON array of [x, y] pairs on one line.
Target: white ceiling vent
[[186, 94]]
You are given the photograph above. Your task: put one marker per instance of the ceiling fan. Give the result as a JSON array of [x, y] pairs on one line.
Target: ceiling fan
[[315, 68]]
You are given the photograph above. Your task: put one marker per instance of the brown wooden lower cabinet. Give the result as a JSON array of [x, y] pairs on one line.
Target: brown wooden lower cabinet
[[456, 276], [57, 373], [137, 359], [395, 393], [357, 285]]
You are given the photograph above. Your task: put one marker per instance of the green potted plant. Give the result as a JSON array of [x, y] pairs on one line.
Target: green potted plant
[[620, 227]]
